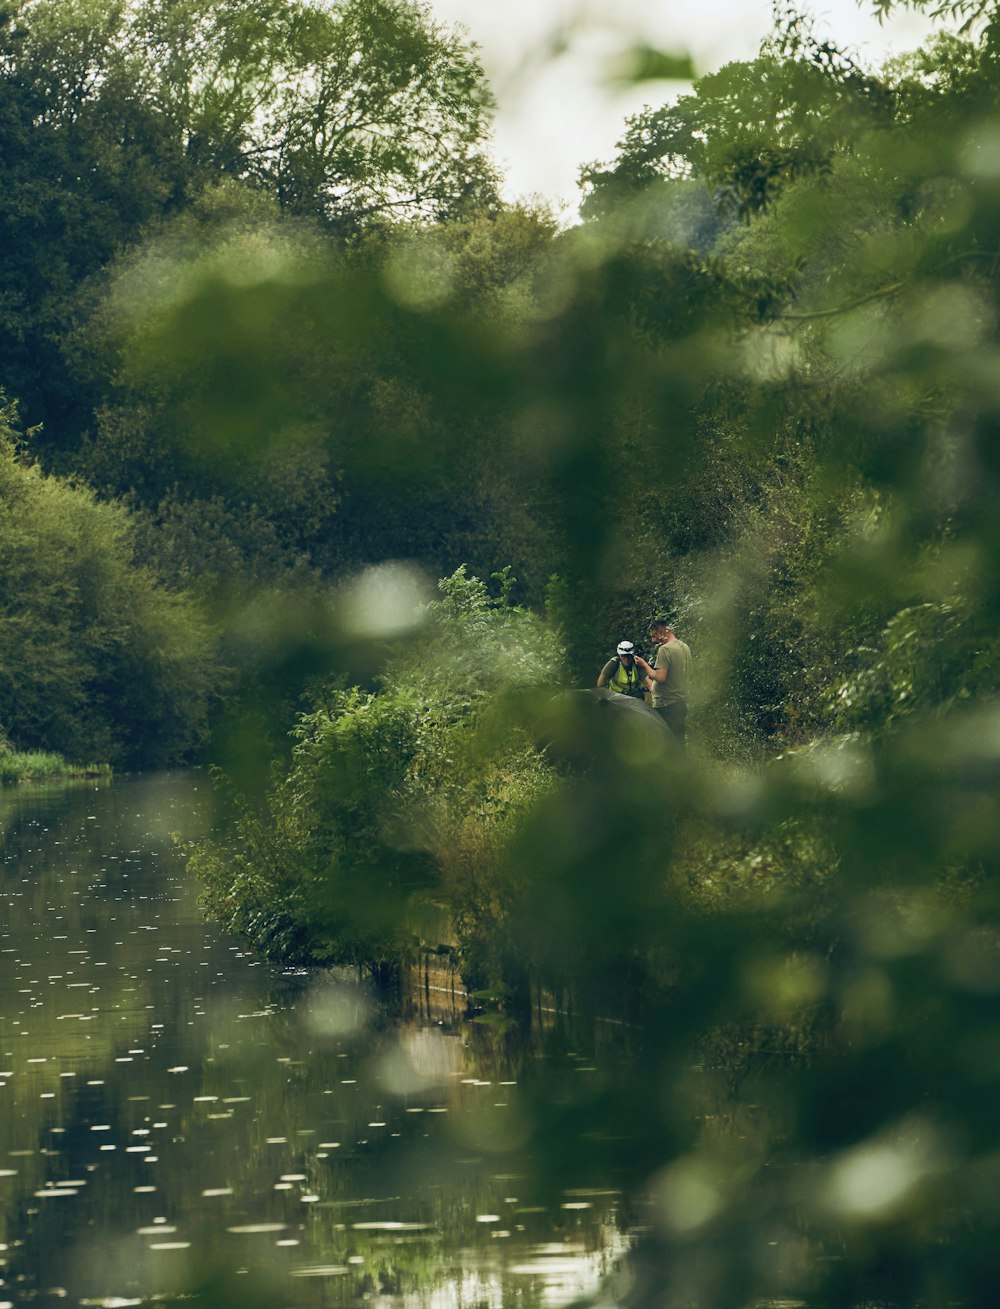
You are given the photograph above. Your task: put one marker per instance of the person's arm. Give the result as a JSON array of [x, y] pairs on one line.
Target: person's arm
[[654, 674], [605, 673]]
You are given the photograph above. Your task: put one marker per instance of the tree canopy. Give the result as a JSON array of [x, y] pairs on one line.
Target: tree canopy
[[117, 114]]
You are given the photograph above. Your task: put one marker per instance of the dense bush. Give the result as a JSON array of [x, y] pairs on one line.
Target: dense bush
[[98, 660], [385, 827]]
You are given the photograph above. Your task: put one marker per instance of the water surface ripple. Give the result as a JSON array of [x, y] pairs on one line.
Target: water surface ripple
[[179, 1119]]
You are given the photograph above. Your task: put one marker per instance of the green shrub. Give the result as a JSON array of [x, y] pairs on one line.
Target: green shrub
[[370, 824], [97, 658]]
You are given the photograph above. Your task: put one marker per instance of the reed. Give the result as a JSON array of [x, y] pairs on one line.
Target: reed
[[36, 765]]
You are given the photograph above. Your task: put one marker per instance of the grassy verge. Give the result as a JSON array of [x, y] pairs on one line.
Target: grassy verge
[[36, 766]]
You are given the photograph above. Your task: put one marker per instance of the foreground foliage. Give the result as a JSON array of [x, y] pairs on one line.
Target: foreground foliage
[[757, 389]]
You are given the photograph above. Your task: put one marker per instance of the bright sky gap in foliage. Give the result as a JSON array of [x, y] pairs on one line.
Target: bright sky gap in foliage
[[556, 65]]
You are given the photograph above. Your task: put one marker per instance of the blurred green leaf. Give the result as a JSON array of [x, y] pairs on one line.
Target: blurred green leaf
[[646, 63]]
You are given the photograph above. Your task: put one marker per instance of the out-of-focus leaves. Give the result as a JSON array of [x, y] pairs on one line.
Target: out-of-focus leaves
[[647, 63]]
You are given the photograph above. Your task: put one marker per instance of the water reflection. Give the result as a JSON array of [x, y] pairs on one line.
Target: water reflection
[[177, 1118]]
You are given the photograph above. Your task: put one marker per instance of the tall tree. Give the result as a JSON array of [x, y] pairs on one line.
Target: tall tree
[[354, 113]]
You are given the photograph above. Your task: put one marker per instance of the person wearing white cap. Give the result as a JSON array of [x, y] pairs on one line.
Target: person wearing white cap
[[621, 674]]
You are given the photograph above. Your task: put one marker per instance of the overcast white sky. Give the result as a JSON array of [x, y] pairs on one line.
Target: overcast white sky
[[548, 63]]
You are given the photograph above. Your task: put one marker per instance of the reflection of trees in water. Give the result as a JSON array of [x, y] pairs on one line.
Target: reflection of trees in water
[[401, 1202], [236, 1084], [314, 1059], [19, 805]]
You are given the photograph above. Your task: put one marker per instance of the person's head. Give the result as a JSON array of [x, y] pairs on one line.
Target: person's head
[[626, 651], [660, 630]]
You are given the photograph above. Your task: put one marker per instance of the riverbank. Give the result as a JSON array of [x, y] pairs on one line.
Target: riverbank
[[38, 766]]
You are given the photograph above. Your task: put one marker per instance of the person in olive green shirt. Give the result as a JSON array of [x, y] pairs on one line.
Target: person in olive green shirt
[[669, 676]]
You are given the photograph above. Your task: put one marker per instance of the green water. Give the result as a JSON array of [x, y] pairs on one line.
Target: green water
[[179, 1119]]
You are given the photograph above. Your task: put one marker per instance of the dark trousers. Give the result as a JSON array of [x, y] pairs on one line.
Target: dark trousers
[[675, 717]]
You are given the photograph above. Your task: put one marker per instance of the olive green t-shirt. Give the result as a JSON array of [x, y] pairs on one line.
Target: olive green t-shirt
[[675, 657]]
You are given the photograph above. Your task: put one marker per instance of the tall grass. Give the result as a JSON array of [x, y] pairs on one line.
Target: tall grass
[[36, 765]]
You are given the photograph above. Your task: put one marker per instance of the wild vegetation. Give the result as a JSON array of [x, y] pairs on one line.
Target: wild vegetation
[[385, 829], [98, 658], [272, 345], [39, 766]]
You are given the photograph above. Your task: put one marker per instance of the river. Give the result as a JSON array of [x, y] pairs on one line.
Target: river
[[180, 1119]]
